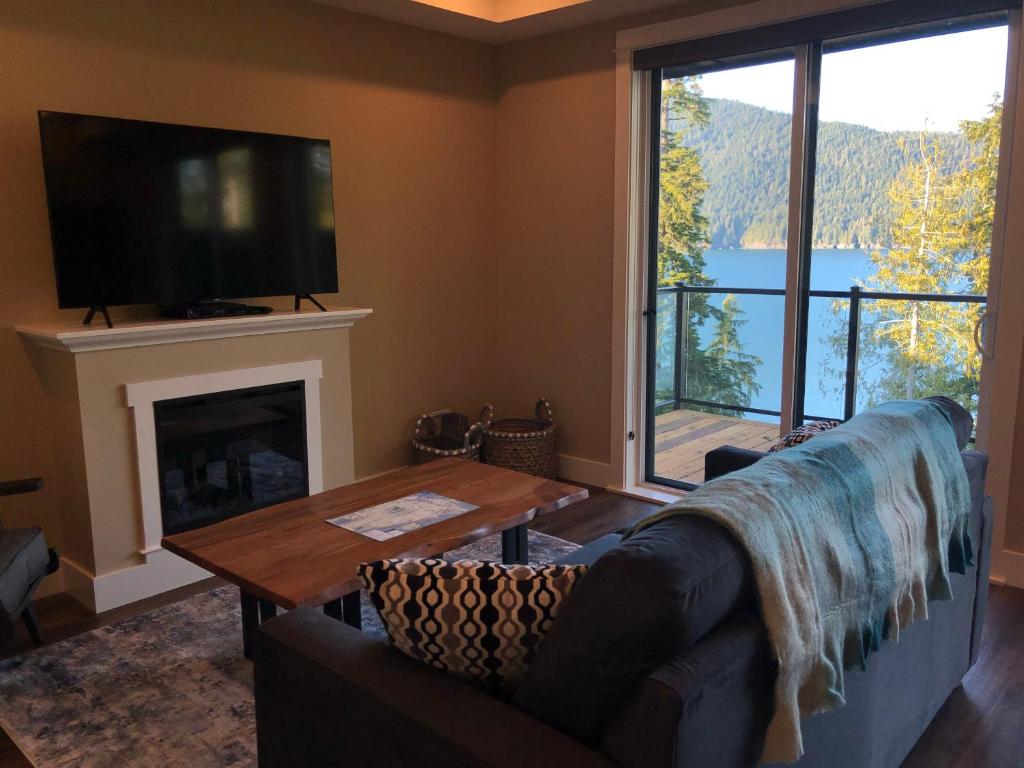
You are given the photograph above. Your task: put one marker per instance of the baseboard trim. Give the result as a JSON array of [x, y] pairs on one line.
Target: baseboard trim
[[161, 572], [646, 492], [1008, 568], [78, 582], [586, 471]]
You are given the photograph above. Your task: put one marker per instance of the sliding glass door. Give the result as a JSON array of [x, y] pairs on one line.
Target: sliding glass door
[[718, 276], [908, 149], [820, 232]]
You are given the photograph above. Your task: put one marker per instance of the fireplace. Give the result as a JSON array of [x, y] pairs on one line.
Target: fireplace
[[225, 453], [103, 386]]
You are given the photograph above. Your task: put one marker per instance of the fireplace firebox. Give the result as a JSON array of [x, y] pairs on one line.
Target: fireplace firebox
[[227, 453]]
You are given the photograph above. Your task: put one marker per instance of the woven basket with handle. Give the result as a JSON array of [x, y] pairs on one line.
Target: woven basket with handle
[[447, 434], [525, 445]]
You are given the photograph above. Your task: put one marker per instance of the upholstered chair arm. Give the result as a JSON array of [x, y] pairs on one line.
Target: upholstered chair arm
[[330, 695], [728, 458], [14, 487]]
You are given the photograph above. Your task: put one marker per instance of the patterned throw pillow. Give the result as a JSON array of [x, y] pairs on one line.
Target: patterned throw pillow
[[802, 434], [480, 621]]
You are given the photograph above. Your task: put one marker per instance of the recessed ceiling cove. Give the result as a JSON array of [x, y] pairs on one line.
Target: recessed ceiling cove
[[496, 21]]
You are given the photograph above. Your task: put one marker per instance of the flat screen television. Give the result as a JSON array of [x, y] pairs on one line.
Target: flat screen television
[[152, 213]]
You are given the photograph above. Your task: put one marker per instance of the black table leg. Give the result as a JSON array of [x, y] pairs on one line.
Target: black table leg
[[250, 620], [267, 610], [514, 547], [353, 610], [333, 609]]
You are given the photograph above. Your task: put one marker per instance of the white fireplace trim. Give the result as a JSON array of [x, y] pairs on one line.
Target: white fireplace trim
[[74, 338], [161, 571], [141, 396]]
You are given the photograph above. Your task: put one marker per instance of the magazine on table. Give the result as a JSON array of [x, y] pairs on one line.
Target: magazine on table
[[404, 515]]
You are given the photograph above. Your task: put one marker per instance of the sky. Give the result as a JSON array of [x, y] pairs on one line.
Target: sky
[[931, 82]]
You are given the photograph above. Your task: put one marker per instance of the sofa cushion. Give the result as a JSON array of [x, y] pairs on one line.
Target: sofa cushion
[[643, 602], [480, 621]]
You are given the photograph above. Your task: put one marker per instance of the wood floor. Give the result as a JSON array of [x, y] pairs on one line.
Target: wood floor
[[683, 437], [981, 725]]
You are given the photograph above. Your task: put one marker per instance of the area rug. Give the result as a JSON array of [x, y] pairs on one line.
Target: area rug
[[169, 687]]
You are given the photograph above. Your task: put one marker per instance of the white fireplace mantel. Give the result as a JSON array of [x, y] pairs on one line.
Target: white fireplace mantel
[[79, 338]]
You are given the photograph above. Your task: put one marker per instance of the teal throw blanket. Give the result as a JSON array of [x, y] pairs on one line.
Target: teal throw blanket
[[850, 535]]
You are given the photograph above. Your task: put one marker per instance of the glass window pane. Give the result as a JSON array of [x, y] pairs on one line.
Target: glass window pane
[[907, 154], [723, 193]]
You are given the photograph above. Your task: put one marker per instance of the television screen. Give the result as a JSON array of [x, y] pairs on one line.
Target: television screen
[[151, 213]]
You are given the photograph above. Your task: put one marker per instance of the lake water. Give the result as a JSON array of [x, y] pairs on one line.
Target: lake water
[[831, 269]]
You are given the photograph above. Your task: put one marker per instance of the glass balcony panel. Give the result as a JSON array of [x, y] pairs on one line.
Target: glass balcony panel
[[665, 350], [826, 357], [913, 349], [727, 365]]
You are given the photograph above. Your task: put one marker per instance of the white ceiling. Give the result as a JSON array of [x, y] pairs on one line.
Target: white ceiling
[[497, 21]]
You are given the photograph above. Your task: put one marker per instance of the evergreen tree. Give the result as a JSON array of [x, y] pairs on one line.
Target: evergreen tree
[[734, 370], [941, 213], [855, 166], [682, 226], [720, 372]]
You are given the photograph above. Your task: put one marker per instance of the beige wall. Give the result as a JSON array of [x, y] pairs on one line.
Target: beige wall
[[1015, 520], [410, 114], [553, 258], [555, 226]]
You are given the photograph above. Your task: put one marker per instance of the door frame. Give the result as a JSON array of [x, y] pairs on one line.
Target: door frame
[[1000, 382]]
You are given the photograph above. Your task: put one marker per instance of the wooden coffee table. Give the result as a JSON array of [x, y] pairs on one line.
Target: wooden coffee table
[[288, 555]]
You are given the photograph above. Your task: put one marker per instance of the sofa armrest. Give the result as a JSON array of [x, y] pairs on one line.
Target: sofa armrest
[[708, 706], [728, 458], [329, 695], [983, 547]]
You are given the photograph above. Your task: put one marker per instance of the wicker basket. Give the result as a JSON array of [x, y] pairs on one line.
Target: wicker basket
[[447, 434], [525, 445]]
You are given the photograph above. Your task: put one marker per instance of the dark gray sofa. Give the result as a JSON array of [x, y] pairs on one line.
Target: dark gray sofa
[[659, 659]]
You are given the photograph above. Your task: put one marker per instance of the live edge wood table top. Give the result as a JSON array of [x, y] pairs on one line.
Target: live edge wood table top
[[289, 555]]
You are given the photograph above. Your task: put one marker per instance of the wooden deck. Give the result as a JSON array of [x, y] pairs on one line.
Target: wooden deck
[[682, 438]]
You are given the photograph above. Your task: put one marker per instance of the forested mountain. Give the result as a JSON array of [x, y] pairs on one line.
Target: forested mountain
[[744, 152]]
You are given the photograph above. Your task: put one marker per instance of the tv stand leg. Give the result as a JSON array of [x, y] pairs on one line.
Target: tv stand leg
[[308, 297], [92, 313]]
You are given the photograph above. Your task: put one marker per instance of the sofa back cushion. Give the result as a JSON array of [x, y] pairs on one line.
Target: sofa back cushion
[[959, 417], [643, 602]]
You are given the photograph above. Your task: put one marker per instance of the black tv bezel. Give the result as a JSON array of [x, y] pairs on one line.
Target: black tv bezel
[[42, 113]]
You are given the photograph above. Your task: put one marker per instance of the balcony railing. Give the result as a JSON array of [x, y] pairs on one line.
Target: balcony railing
[[855, 295]]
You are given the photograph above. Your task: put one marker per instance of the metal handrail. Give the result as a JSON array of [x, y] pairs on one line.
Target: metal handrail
[[821, 294], [856, 295]]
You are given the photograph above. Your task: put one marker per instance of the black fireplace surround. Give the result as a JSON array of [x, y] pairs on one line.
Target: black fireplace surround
[[227, 453]]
